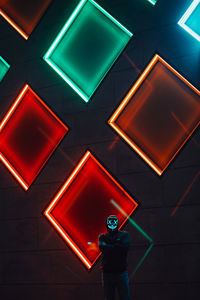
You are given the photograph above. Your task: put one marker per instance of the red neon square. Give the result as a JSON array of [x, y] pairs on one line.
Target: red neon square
[[29, 134], [158, 115], [80, 208], [23, 15]]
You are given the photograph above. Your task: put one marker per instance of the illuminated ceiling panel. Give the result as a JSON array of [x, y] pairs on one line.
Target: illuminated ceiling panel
[[158, 115], [29, 134], [23, 15], [191, 20], [86, 47], [4, 66], [80, 208]]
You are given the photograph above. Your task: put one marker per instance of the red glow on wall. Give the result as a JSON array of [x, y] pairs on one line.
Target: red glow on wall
[[145, 119], [29, 133], [23, 15], [79, 210]]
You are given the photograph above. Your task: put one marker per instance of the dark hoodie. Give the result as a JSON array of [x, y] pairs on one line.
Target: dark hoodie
[[114, 247]]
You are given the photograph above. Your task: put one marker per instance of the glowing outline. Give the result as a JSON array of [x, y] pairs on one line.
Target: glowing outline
[[13, 24], [152, 1], [187, 14], [58, 226], [141, 231], [127, 99], [6, 65], [5, 62], [65, 28], [14, 172]]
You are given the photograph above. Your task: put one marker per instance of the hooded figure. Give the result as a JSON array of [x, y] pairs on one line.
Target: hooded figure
[[114, 246]]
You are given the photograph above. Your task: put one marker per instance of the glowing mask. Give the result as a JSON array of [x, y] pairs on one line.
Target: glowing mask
[[112, 223]]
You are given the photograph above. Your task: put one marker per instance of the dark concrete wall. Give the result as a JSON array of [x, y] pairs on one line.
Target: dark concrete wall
[[35, 263]]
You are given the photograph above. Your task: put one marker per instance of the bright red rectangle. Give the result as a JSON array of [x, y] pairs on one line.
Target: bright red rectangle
[[29, 134], [23, 15], [158, 114], [80, 209]]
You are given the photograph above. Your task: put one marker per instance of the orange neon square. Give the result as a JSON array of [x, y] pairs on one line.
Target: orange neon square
[[79, 210], [23, 15], [29, 133], [158, 115]]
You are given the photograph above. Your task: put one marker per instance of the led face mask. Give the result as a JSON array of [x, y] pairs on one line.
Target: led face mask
[[112, 223]]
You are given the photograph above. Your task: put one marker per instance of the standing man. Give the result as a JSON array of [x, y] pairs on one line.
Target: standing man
[[114, 246]]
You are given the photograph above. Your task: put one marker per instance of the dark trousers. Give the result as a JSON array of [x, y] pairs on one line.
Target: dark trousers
[[116, 281]]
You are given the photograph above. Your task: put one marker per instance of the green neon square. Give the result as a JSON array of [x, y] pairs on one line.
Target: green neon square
[[4, 66], [193, 21], [86, 47], [152, 1]]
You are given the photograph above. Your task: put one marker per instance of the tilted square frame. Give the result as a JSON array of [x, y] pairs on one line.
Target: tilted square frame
[[53, 132], [74, 75], [83, 170], [186, 16], [130, 97]]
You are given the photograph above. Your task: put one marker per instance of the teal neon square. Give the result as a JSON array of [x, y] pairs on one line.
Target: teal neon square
[[86, 47], [153, 1], [193, 21], [4, 66], [190, 21]]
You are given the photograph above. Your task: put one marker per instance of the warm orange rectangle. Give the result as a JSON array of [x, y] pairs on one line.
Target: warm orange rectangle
[[159, 114]]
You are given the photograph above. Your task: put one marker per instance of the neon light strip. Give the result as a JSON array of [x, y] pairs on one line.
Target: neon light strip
[[111, 17], [5, 63], [61, 192], [69, 241], [80, 165], [53, 46], [127, 99], [66, 27], [14, 172], [134, 88], [6, 119], [8, 115], [184, 18], [152, 1], [13, 24], [47, 108], [53, 221], [70, 82]]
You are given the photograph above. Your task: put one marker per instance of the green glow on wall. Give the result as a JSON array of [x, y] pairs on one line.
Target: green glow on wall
[[86, 47], [4, 66], [142, 232]]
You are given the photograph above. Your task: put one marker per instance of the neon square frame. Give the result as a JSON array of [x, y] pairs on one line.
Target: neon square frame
[[4, 67], [80, 68], [143, 80], [182, 22], [28, 123], [73, 192], [19, 21]]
